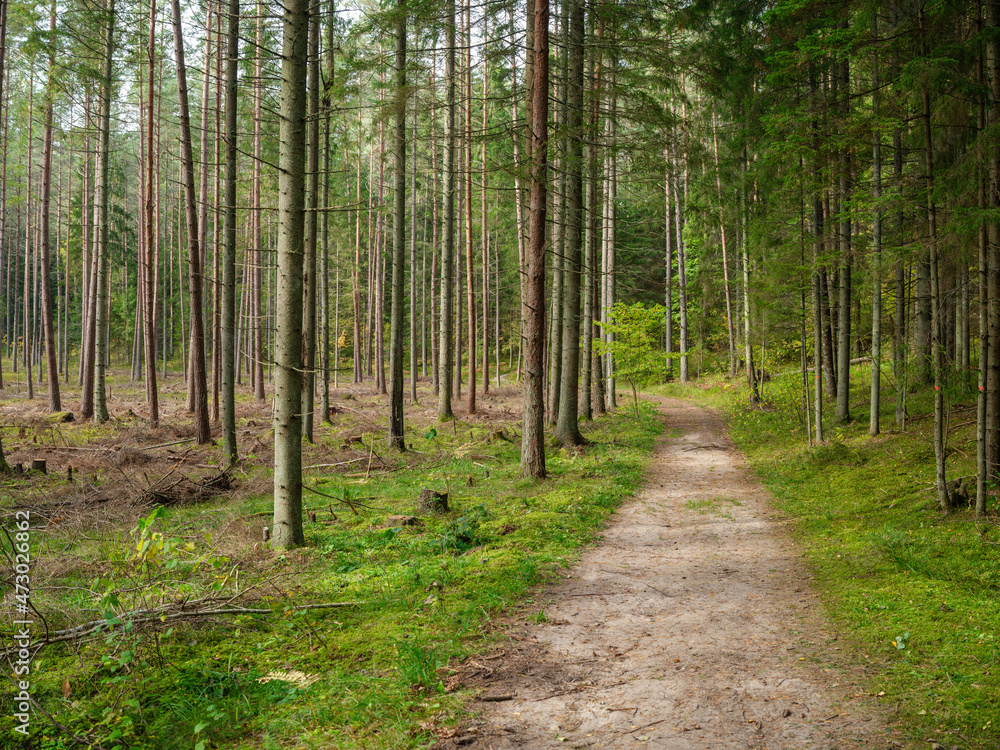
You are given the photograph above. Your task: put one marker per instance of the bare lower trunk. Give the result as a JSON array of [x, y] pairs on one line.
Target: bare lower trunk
[[287, 530], [533, 306]]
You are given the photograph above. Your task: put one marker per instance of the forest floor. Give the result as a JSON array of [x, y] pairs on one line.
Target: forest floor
[[692, 624]]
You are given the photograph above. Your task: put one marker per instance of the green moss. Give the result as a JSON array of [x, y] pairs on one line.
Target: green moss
[[916, 591], [425, 597]]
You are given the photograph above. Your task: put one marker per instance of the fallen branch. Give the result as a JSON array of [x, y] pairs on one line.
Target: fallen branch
[[163, 614], [175, 442], [330, 466], [349, 503]]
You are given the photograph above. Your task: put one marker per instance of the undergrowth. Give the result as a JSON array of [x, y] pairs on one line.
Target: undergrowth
[[916, 589], [370, 674]]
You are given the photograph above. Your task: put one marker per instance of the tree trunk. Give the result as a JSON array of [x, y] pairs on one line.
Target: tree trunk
[[311, 234], [101, 224], [48, 314], [258, 320], [398, 239], [470, 281], [229, 242], [876, 384], [198, 381], [730, 327], [287, 531], [533, 305], [448, 245], [567, 425], [679, 190], [935, 284], [844, 242]]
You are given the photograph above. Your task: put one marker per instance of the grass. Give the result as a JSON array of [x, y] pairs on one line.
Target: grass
[[371, 675], [916, 590]]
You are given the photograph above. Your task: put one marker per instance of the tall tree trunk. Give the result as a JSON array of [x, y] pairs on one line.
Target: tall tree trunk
[[229, 242], [567, 424], [398, 238], [470, 281], [202, 205], [533, 305], [413, 263], [101, 224], [745, 254], [679, 190], [844, 241], [48, 314], [311, 232], [935, 284], [730, 327], [590, 311], [876, 384], [257, 283], [484, 231], [986, 345], [992, 74], [198, 381], [287, 530], [325, 258], [149, 303], [448, 245]]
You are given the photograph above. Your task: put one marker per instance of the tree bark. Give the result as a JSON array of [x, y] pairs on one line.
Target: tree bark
[[101, 228], [229, 242], [198, 381], [311, 231], [533, 305], [287, 531], [398, 239], [567, 424], [448, 245], [55, 404]]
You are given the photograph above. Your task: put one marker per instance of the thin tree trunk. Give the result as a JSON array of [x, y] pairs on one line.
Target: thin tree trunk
[[398, 239], [198, 380], [448, 246], [935, 284], [470, 281], [730, 327], [876, 384], [228, 353], [101, 224], [149, 304], [258, 322], [311, 234], [55, 404]]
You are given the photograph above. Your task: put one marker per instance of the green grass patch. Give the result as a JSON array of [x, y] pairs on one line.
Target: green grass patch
[[916, 590], [369, 675]]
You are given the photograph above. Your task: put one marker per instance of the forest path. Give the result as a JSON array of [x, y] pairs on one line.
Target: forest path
[[692, 625]]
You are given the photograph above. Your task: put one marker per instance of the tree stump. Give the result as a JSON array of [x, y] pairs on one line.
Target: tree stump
[[393, 522], [38, 464], [432, 503]]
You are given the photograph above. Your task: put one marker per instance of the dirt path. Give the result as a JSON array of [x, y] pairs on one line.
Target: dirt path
[[691, 626]]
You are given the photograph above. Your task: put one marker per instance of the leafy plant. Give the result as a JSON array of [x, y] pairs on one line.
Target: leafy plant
[[635, 334], [463, 533]]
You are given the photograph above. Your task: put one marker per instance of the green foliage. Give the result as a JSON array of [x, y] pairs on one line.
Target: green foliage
[[636, 331], [361, 676]]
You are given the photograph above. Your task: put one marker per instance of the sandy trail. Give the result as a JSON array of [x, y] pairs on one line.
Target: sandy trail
[[691, 626]]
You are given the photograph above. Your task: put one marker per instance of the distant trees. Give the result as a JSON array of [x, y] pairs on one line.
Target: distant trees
[[761, 169]]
